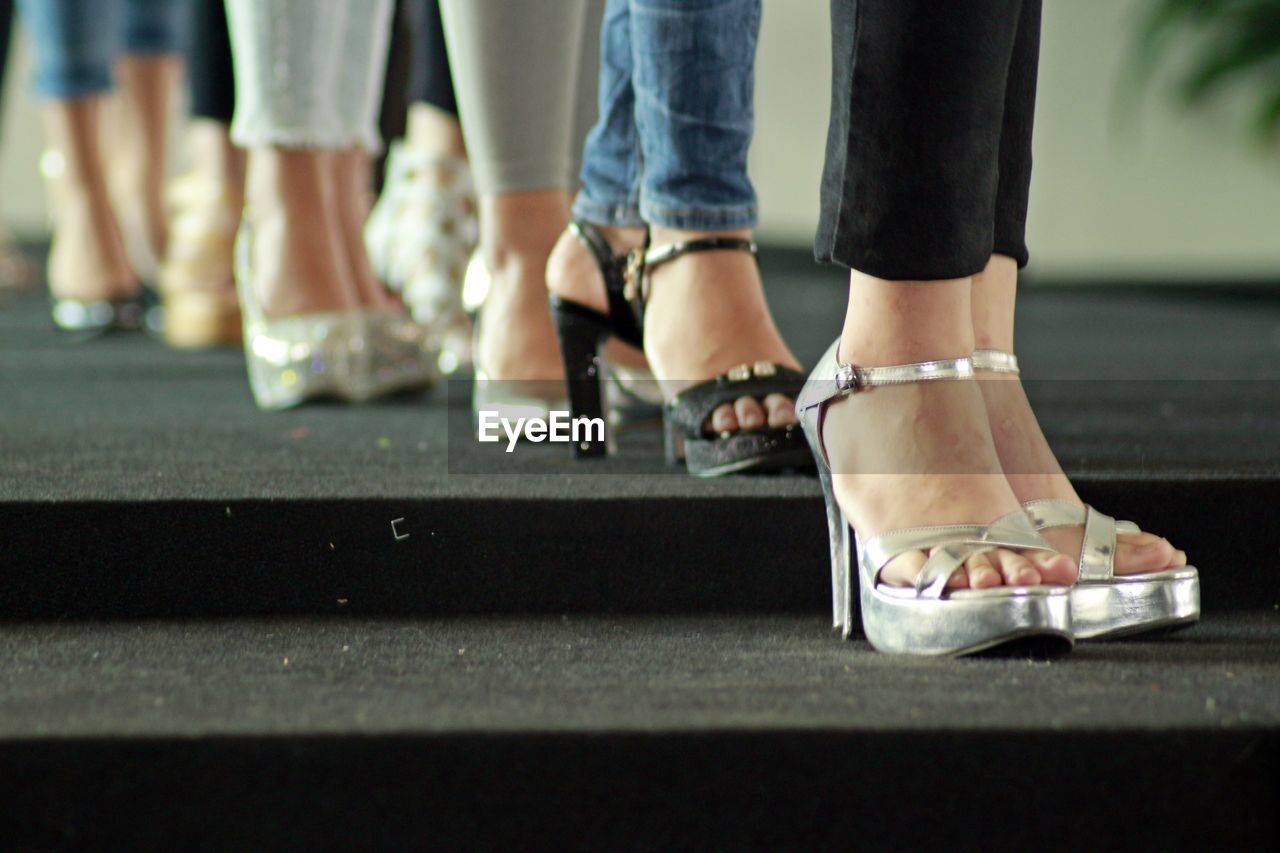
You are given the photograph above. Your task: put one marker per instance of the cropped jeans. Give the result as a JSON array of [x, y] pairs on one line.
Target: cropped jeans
[[670, 145], [77, 41]]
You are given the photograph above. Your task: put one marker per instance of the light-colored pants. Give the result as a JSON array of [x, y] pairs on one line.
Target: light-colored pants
[[308, 74], [525, 74]]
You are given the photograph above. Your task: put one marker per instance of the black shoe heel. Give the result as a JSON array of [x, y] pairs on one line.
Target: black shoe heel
[[581, 332], [672, 442]]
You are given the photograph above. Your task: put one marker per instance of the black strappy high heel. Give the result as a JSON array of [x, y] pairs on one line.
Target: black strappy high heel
[[583, 330]]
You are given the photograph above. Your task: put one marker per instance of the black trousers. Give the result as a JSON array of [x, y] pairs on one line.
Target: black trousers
[[213, 83], [928, 163], [417, 66]]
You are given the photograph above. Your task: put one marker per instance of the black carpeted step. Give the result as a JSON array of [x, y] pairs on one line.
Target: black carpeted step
[[628, 733], [135, 480]]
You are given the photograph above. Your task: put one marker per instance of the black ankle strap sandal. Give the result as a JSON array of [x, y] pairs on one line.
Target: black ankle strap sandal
[[685, 415]]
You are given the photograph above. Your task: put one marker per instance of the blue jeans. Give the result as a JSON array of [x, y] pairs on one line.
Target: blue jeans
[[670, 145], [76, 41]]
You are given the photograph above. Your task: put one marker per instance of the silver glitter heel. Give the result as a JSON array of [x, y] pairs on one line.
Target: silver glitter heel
[[291, 360], [928, 618], [1104, 604]]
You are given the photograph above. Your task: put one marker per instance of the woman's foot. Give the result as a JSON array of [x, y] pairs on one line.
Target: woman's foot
[[87, 260], [705, 313], [922, 454], [137, 154], [1029, 464], [517, 341], [295, 233], [353, 181]]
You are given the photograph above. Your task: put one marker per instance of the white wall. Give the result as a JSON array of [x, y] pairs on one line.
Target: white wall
[[1165, 194]]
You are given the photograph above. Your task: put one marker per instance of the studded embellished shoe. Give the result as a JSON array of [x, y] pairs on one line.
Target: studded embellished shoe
[[420, 236], [928, 618], [354, 355], [1104, 604], [583, 331]]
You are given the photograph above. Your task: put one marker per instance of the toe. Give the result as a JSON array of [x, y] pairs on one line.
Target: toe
[[750, 414], [1054, 568], [723, 419], [781, 410], [978, 573], [1143, 552], [1015, 568], [902, 570]]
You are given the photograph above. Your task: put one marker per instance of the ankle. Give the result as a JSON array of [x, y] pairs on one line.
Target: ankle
[[434, 132], [903, 322]]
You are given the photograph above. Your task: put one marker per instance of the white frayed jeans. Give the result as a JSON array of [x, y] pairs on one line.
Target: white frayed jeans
[[309, 73]]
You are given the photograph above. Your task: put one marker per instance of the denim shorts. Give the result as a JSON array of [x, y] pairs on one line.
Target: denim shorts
[[76, 41], [670, 145]]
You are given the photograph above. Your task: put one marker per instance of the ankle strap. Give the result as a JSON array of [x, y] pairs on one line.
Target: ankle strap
[[846, 379], [850, 378], [626, 311], [995, 361], [640, 261], [833, 379]]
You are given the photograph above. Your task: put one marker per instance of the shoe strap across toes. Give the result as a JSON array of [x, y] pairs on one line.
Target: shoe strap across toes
[[950, 546], [1098, 550]]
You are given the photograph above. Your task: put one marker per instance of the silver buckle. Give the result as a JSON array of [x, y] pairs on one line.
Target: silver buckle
[[631, 274], [847, 379]]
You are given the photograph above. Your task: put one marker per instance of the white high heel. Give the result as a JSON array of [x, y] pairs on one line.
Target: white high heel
[[928, 618], [1104, 604]]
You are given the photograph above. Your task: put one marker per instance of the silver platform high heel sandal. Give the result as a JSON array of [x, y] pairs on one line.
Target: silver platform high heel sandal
[[927, 619], [1104, 604]]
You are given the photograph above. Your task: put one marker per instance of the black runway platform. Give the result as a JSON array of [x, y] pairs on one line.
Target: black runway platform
[[211, 630]]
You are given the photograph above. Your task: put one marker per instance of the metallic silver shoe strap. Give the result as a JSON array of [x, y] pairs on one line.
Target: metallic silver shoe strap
[[995, 361], [850, 378]]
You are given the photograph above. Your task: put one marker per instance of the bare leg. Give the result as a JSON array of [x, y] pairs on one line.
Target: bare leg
[[1031, 468], [352, 178], [138, 153], [922, 454], [434, 131], [517, 233], [214, 155], [87, 259], [298, 263]]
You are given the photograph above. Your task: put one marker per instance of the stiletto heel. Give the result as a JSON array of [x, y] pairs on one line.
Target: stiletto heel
[[686, 413], [1104, 604], [929, 618], [581, 333], [672, 443], [838, 530]]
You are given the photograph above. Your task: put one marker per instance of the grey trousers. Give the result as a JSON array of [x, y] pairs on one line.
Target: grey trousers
[[525, 74]]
